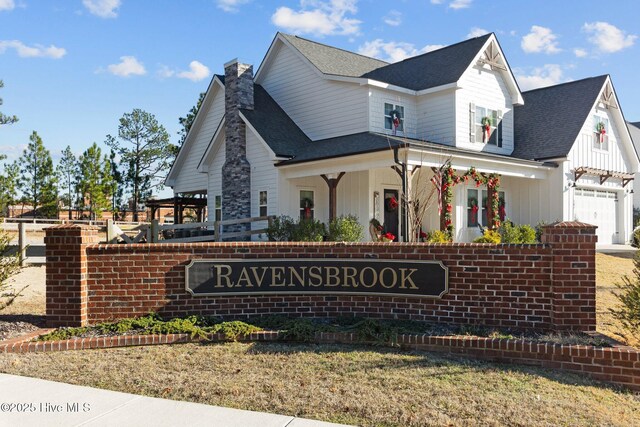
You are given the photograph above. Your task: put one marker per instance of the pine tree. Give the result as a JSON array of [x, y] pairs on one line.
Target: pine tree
[[95, 180], [67, 174], [6, 120], [117, 185], [8, 185], [37, 181], [143, 145]]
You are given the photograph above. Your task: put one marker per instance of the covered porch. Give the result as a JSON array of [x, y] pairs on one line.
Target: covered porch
[[382, 184]]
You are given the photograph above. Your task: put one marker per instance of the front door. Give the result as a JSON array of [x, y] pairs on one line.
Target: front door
[[391, 212]]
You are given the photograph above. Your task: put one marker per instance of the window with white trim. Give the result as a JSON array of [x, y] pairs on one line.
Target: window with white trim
[[485, 125], [389, 110], [263, 203], [600, 133], [477, 208], [306, 204], [218, 208]]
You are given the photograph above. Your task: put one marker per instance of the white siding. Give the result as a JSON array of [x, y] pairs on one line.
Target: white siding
[[615, 158], [214, 187], [290, 197], [264, 177], [377, 99], [321, 108], [485, 88], [189, 179], [436, 117], [583, 153]]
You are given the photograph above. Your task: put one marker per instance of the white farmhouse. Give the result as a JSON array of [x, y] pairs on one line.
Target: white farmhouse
[[320, 131]]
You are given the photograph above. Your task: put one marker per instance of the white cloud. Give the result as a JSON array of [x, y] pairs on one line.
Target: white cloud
[[460, 4], [231, 6], [36, 51], [319, 17], [102, 8], [580, 53], [393, 51], [547, 75], [608, 38], [197, 71], [436, 1], [476, 32], [7, 5], [165, 72], [540, 40], [128, 66], [393, 18]]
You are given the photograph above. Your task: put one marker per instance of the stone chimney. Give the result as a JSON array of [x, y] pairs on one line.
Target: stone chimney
[[236, 171]]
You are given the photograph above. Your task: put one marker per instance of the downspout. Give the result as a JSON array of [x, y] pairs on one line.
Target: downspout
[[403, 176]]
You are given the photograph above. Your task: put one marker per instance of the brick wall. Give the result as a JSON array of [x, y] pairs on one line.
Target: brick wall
[[545, 286]]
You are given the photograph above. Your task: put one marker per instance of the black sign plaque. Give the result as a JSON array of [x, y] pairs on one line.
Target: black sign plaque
[[226, 277]]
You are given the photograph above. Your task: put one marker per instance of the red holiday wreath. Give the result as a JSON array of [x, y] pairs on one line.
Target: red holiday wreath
[[601, 131], [392, 204]]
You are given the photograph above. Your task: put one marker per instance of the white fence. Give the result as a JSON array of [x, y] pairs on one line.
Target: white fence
[[211, 231]]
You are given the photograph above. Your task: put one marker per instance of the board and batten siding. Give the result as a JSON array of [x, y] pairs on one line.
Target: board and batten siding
[[214, 187], [321, 108], [436, 117], [264, 177], [379, 97], [485, 88], [189, 179], [583, 152]]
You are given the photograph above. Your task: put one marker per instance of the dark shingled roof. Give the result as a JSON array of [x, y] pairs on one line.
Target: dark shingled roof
[[331, 60], [636, 124], [432, 69], [549, 122], [274, 125]]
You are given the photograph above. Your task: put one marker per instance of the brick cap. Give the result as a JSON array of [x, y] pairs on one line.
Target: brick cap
[[73, 227], [569, 224]]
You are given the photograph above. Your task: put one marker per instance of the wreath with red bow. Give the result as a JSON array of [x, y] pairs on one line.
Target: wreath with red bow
[[391, 204]]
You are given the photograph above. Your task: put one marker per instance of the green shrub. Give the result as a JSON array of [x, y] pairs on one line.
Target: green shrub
[[438, 236], [628, 311], [235, 329], [489, 236], [9, 263], [521, 234], [281, 229], [635, 238], [308, 230], [300, 330], [345, 229]]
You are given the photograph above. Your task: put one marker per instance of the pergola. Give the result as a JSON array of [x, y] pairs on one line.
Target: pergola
[[179, 204]]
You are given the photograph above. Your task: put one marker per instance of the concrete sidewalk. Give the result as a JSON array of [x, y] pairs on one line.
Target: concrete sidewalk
[[30, 402]]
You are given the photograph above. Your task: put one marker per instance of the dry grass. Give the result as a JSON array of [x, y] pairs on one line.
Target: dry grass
[[610, 268], [355, 385]]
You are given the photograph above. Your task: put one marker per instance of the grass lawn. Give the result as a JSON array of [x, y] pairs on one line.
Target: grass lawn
[[610, 268], [355, 385], [349, 384]]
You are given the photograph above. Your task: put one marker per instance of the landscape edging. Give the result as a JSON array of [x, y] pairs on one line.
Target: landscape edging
[[615, 365]]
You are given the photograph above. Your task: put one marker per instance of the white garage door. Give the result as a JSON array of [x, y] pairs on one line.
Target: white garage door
[[598, 208]]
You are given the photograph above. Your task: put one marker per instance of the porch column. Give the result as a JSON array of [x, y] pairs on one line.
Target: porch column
[[332, 182]]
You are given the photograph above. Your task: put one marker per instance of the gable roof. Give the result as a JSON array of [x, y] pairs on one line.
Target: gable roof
[[432, 69], [332, 60], [550, 120]]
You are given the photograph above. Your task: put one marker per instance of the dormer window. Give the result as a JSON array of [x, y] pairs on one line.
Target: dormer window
[[601, 133], [485, 125], [392, 112]]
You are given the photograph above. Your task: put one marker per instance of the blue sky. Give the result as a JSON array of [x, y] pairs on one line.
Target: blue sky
[[71, 68]]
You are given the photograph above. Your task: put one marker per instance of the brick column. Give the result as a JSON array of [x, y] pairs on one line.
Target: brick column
[[66, 284], [573, 275]]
